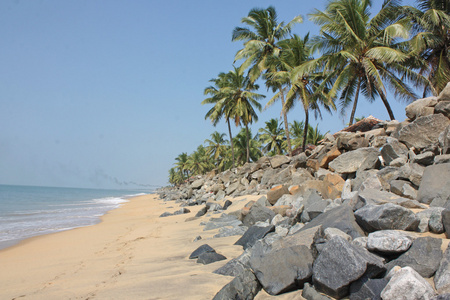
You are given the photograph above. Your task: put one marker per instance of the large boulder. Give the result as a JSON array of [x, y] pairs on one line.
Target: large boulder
[[388, 241], [341, 263], [435, 183], [276, 192], [284, 269], [424, 256], [279, 160], [349, 162], [420, 107], [375, 196], [253, 234], [387, 216], [245, 286], [424, 131], [367, 289], [442, 277], [258, 213], [407, 284], [393, 150]]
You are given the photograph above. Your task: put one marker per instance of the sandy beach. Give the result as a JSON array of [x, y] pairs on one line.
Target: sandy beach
[[131, 254]]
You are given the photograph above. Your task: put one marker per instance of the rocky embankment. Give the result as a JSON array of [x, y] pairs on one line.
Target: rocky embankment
[[365, 215]]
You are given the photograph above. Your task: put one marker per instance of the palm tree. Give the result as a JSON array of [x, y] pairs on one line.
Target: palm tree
[[297, 128], [307, 87], [432, 41], [175, 177], [260, 43], [199, 162], [363, 51], [314, 135], [245, 143], [217, 148], [182, 164], [272, 135]]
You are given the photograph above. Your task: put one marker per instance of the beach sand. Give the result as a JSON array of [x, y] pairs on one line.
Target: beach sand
[[131, 254]]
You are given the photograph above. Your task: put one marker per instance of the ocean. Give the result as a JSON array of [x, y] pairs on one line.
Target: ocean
[[27, 211]]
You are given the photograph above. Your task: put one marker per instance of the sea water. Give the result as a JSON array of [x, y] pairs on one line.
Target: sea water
[[27, 211]]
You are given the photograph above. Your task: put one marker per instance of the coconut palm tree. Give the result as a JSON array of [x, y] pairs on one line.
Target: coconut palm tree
[[182, 164], [431, 41], [314, 135], [217, 148], [272, 135], [245, 143], [297, 128], [199, 162], [260, 43], [363, 51]]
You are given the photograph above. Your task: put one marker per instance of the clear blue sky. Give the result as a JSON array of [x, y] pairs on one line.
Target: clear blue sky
[[96, 92]]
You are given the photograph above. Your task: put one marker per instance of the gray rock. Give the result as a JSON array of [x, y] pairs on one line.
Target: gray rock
[[253, 234], [424, 131], [423, 256], [200, 250], [314, 205], [425, 218], [279, 160], [403, 188], [331, 232], [340, 263], [442, 159], [412, 172], [230, 231], [360, 242], [407, 284], [393, 150], [442, 277], [197, 183], [435, 183], [258, 213], [418, 108], [207, 258], [341, 217], [444, 140], [284, 269], [349, 162], [166, 214], [223, 220], [386, 175], [276, 192], [441, 297], [245, 286], [424, 159], [201, 212], [387, 216], [443, 107], [309, 293], [375, 197], [445, 93], [388, 241], [446, 221], [367, 289]]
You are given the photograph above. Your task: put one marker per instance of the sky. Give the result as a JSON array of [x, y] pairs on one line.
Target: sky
[[106, 93]]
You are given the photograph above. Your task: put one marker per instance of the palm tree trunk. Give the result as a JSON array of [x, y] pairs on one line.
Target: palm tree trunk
[[248, 143], [305, 131], [386, 104], [231, 141], [286, 126], [355, 103]]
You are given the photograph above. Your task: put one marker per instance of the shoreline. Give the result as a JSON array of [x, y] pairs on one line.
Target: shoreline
[[130, 254]]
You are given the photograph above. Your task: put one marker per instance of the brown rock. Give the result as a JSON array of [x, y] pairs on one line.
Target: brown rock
[[281, 209], [335, 180], [276, 192], [313, 164], [324, 160]]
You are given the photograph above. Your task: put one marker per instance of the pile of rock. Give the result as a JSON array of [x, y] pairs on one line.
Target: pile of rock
[[344, 219]]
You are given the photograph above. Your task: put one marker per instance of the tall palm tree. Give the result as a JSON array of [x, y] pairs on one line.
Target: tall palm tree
[[363, 51], [297, 128], [432, 41], [182, 164], [199, 162], [272, 135], [244, 145], [217, 148], [308, 87], [260, 43]]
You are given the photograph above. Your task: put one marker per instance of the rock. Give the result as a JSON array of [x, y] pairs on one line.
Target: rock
[[407, 284], [309, 293], [443, 107], [328, 155], [403, 188], [331, 232], [207, 258], [300, 238], [412, 172], [284, 269], [442, 277], [314, 205], [326, 189], [197, 184], [258, 213], [253, 234], [435, 183], [373, 196], [444, 140], [387, 216], [200, 250], [388, 241], [335, 180], [279, 160], [245, 286], [424, 131], [341, 218], [445, 93], [230, 231], [442, 159], [360, 242], [340, 263], [165, 214], [201, 212], [235, 266], [349, 162], [423, 256], [276, 192], [393, 150], [367, 289], [232, 188], [446, 221], [223, 220], [425, 220], [419, 107], [424, 159]]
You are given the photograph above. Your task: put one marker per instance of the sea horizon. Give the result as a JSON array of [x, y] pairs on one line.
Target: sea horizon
[[29, 211]]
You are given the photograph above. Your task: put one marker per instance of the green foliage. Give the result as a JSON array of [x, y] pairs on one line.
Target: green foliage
[[272, 137]]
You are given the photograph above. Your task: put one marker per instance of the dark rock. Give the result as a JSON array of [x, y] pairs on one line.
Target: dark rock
[[435, 223], [235, 266], [227, 204], [393, 150], [349, 162], [446, 221], [253, 234], [284, 269], [441, 297], [424, 159], [403, 188], [435, 183], [424, 131], [367, 289], [340, 263], [314, 205], [182, 211], [243, 287], [309, 293], [423, 256], [412, 172], [341, 217], [442, 277], [209, 257], [387, 216], [407, 283], [200, 250], [388, 241], [443, 107], [201, 212], [258, 213], [166, 214]]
